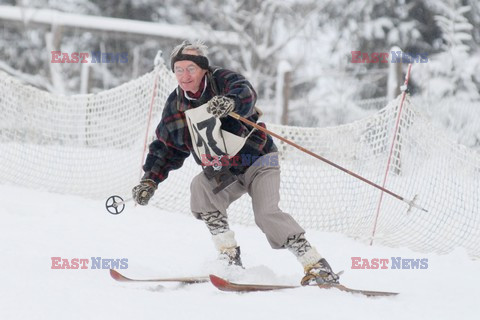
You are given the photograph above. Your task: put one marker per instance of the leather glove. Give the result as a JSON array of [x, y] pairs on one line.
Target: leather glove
[[220, 106], [144, 191]]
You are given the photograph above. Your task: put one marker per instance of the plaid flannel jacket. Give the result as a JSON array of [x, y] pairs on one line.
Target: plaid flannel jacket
[[173, 144]]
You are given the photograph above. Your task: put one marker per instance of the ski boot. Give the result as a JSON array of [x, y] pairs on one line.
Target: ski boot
[[232, 256], [319, 273]]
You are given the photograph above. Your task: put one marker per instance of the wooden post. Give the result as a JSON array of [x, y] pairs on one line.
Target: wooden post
[[284, 72], [395, 77], [85, 78], [286, 96], [135, 62], [52, 40]]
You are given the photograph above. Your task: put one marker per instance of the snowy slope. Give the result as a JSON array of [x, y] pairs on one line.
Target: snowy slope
[[35, 226]]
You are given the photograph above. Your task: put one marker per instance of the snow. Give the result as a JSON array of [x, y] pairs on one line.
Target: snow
[[36, 226]]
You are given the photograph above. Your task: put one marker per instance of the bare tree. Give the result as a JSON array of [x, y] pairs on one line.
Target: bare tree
[[266, 30]]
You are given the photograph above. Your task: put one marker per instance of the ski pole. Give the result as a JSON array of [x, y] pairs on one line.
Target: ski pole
[[256, 126]]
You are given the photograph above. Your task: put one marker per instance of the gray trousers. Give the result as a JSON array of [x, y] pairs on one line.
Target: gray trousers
[[262, 182]]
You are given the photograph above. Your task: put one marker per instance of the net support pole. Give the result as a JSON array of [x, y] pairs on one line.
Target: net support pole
[[149, 120], [389, 161]]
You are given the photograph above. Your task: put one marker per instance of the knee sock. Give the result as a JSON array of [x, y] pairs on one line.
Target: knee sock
[[217, 224], [301, 248]]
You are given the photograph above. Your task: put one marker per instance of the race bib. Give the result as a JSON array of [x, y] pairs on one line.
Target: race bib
[[208, 139]]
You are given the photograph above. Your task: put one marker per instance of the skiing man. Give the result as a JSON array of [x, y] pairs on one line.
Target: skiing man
[[236, 159]]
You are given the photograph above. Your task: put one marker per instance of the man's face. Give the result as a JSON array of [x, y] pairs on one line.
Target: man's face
[[189, 74]]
